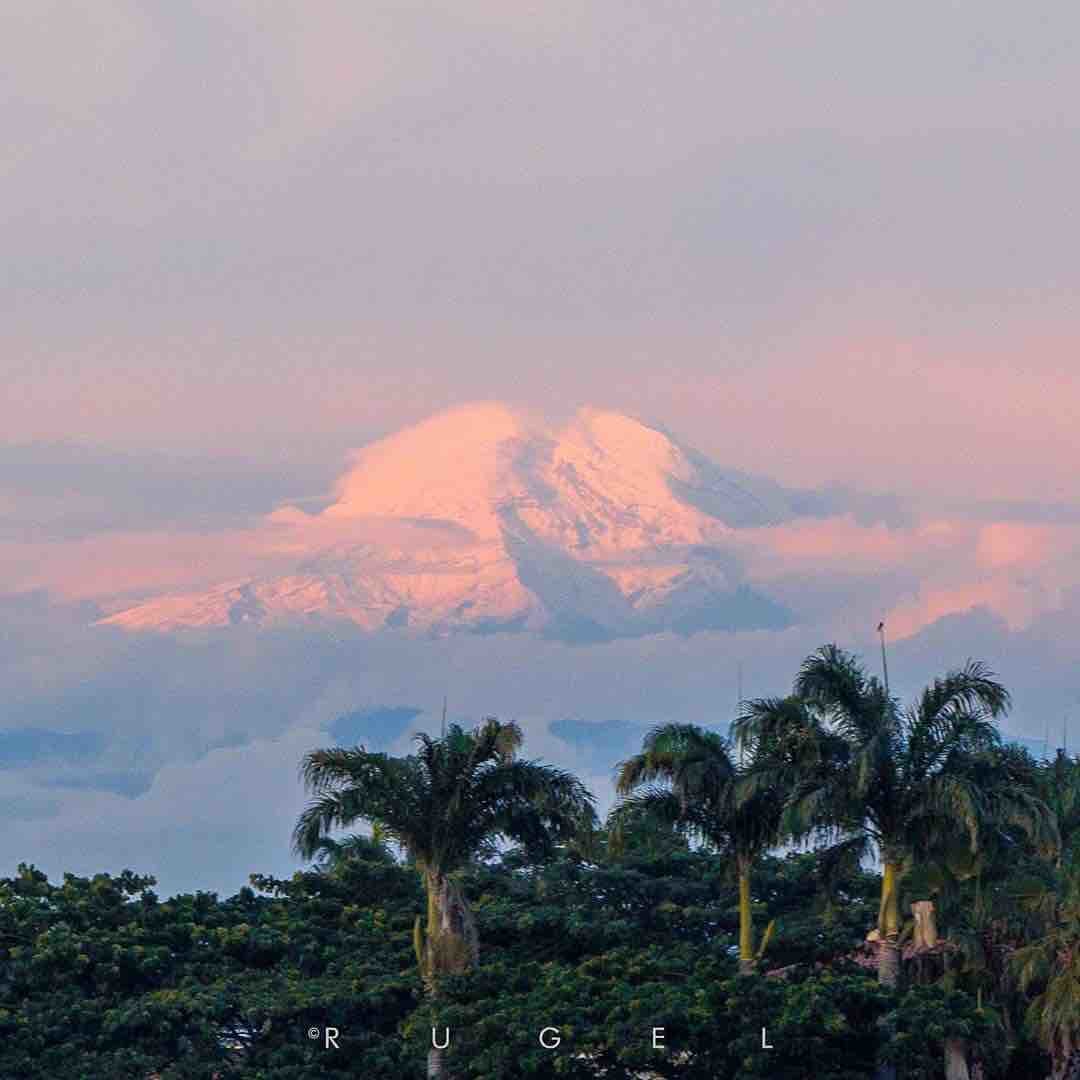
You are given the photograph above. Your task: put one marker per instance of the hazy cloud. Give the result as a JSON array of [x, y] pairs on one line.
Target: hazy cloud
[[584, 708], [196, 779], [63, 492], [835, 246], [830, 245]]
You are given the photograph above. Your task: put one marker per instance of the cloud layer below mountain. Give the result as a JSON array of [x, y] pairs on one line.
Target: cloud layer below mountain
[[176, 752], [241, 239], [484, 518]]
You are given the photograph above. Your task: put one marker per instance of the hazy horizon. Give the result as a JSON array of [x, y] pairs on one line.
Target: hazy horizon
[[830, 251]]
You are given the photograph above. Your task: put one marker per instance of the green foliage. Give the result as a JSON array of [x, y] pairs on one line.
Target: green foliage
[[604, 934], [912, 780], [99, 978], [926, 1016], [926, 786], [606, 1007], [450, 802], [687, 779]]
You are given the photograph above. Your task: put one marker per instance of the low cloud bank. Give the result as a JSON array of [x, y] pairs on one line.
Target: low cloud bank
[[208, 730]]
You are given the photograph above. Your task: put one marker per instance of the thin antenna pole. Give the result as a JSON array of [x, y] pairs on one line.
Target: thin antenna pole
[[738, 705], [444, 716], [884, 657]]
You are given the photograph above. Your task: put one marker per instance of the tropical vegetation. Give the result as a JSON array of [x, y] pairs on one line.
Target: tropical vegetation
[[919, 879]]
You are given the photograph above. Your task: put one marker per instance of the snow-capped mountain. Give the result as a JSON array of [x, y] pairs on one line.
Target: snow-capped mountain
[[478, 520]]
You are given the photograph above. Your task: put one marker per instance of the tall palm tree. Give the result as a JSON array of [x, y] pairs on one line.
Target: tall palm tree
[[687, 776], [1059, 786], [453, 801], [906, 781], [1049, 964]]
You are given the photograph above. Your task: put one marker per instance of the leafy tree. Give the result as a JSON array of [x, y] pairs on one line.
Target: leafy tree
[[332, 855], [932, 1025], [604, 939], [101, 978], [606, 1006], [195, 985], [981, 896]]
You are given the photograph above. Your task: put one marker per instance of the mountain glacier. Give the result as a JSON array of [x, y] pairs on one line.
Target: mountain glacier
[[479, 520]]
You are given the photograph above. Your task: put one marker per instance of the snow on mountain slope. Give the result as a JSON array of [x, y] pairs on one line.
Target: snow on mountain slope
[[605, 528], [455, 466]]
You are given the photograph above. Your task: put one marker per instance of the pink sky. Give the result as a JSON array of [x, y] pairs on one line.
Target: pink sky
[[266, 235], [938, 420], [831, 245], [912, 573]]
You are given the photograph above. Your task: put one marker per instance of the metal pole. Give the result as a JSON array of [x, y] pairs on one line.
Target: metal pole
[[884, 658], [738, 708]]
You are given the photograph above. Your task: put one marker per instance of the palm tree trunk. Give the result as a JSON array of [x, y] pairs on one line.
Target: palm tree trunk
[[956, 1066], [746, 919], [451, 946], [436, 1069], [452, 942], [889, 925]]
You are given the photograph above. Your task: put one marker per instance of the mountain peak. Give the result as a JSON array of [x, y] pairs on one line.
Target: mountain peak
[[451, 466], [603, 527], [617, 430]]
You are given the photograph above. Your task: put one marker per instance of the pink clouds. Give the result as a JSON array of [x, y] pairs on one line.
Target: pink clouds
[[129, 564], [97, 55], [114, 567], [1014, 544], [894, 415], [911, 576], [1017, 603], [916, 575], [431, 502], [842, 541], [840, 548]]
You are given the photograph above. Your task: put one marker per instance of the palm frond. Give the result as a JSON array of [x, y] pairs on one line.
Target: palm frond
[[835, 682], [327, 811], [974, 689]]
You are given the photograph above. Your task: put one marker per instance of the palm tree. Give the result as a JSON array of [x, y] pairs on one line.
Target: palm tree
[[687, 776], [1059, 786], [1050, 963], [332, 855], [1051, 966], [909, 781], [453, 801]]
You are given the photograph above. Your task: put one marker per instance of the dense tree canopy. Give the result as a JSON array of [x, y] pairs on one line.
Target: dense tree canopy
[[688, 777], [915, 783], [621, 940]]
